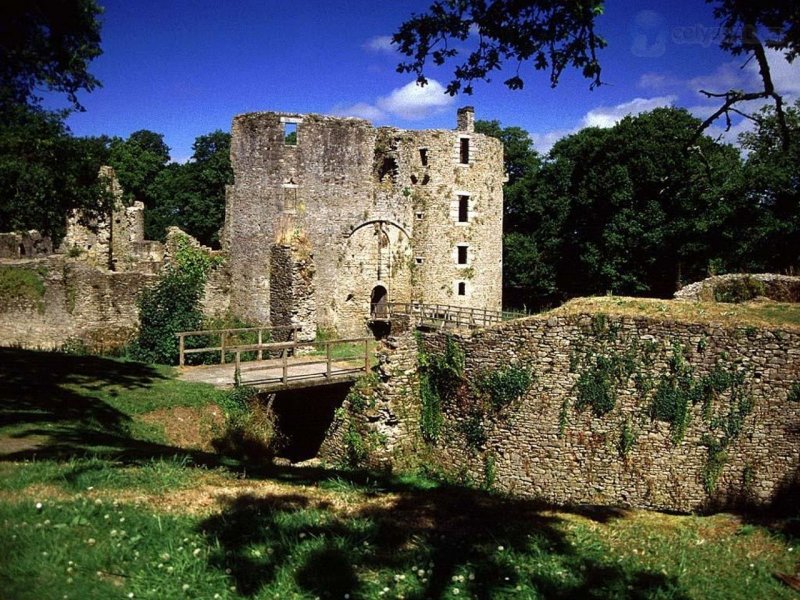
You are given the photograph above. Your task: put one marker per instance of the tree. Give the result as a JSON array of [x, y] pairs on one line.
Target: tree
[[551, 35], [192, 196], [137, 162], [47, 44], [556, 35], [771, 182], [623, 209], [45, 172]]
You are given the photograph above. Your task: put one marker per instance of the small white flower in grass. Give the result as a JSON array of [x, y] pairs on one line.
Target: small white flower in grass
[[196, 552], [98, 502], [456, 591], [420, 572], [69, 579], [386, 589], [500, 548], [165, 556], [346, 596], [472, 576], [122, 519], [217, 596], [113, 533], [130, 594], [227, 571], [185, 587], [170, 569], [90, 488], [302, 534], [47, 521], [106, 517]]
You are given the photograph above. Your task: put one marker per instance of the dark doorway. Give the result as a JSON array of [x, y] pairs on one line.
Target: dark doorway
[[379, 303]]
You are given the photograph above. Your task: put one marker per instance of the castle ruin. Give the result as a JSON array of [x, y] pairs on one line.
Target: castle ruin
[[330, 218]]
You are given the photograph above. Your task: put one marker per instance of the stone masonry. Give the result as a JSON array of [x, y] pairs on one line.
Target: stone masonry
[[542, 447], [388, 213]]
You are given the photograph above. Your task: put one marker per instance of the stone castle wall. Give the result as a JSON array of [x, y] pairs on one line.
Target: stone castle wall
[[542, 446], [58, 300]]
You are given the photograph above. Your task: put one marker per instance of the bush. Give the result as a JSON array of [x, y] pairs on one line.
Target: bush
[[251, 431], [172, 305], [740, 289]]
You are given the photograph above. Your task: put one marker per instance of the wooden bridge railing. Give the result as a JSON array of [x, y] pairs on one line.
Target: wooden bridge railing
[[223, 335], [454, 315], [325, 349]]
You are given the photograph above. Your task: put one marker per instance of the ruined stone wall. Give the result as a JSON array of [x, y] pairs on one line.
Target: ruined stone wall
[[321, 187], [781, 288], [25, 244], [542, 446], [293, 301], [59, 300]]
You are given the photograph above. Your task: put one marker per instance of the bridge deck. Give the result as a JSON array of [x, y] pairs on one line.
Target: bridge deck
[[268, 375]]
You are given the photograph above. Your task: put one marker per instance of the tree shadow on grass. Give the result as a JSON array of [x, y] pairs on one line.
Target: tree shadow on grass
[[42, 398], [489, 546]]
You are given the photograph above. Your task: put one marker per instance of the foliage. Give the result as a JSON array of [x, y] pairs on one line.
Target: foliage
[[794, 393], [504, 386], [440, 377], [47, 45], [251, 431], [137, 161], [595, 388], [627, 438], [489, 471], [549, 36], [474, 430], [739, 289], [359, 443], [192, 195], [22, 284], [172, 305], [45, 172]]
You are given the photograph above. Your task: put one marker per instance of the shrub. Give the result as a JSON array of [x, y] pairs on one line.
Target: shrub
[[739, 289], [172, 305], [505, 385], [251, 431], [595, 388]]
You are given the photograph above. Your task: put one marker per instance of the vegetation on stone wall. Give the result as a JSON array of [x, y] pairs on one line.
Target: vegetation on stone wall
[[794, 393], [250, 431], [172, 304], [359, 441], [740, 289], [505, 385], [608, 361], [440, 376], [22, 285]]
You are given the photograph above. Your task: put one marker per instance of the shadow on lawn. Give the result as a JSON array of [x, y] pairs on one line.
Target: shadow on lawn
[[38, 402], [451, 528]]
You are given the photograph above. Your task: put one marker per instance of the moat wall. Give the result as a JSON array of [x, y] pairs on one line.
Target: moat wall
[[541, 446]]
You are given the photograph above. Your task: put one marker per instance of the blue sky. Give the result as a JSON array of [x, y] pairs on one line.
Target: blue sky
[[185, 68]]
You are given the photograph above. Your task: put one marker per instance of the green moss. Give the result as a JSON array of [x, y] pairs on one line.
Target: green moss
[[21, 284]]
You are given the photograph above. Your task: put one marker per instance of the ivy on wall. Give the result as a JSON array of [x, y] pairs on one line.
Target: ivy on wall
[[608, 361], [359, 441]]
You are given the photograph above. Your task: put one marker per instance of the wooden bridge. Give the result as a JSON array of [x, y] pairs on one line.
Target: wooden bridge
[[252, 356], [444, 316], [272, 358]]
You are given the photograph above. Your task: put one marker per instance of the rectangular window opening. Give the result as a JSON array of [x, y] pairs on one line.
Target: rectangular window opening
[[423, 156], [464, 151], [463, 209], [419, 260], [462, 288], [289, 199], [290, 134], [462, 255], [420, 216]]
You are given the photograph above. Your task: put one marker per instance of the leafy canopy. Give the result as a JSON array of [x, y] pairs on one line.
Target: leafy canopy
[[550, 35], [47, 44]]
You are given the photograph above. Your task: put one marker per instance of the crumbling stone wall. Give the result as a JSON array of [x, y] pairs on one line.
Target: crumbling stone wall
[[379, 207], [292, 285], [25, 244], [541, 446], [64, 301], [780, 288]]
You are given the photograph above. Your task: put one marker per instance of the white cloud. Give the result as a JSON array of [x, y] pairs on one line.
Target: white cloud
[[602, 116], [413, 101], [380, 43], [362, 110], [608, 116]]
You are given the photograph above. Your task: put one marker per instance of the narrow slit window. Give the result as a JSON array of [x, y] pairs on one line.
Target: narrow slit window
[[463, 209], [290, 134], [423, 156], [462, 255], [462, 288], [464, 151], [419, 260], [420, 216], [289, 198]]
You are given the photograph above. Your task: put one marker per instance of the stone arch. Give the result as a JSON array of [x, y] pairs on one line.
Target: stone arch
[[379, 302]]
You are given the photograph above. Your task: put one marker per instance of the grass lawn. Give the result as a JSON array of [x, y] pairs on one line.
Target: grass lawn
[[772, 315], [98, 501]]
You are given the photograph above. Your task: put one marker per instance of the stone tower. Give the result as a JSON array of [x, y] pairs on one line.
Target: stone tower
[[384, 215]]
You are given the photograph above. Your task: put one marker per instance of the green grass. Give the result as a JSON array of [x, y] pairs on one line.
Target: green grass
[[123, 515]]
